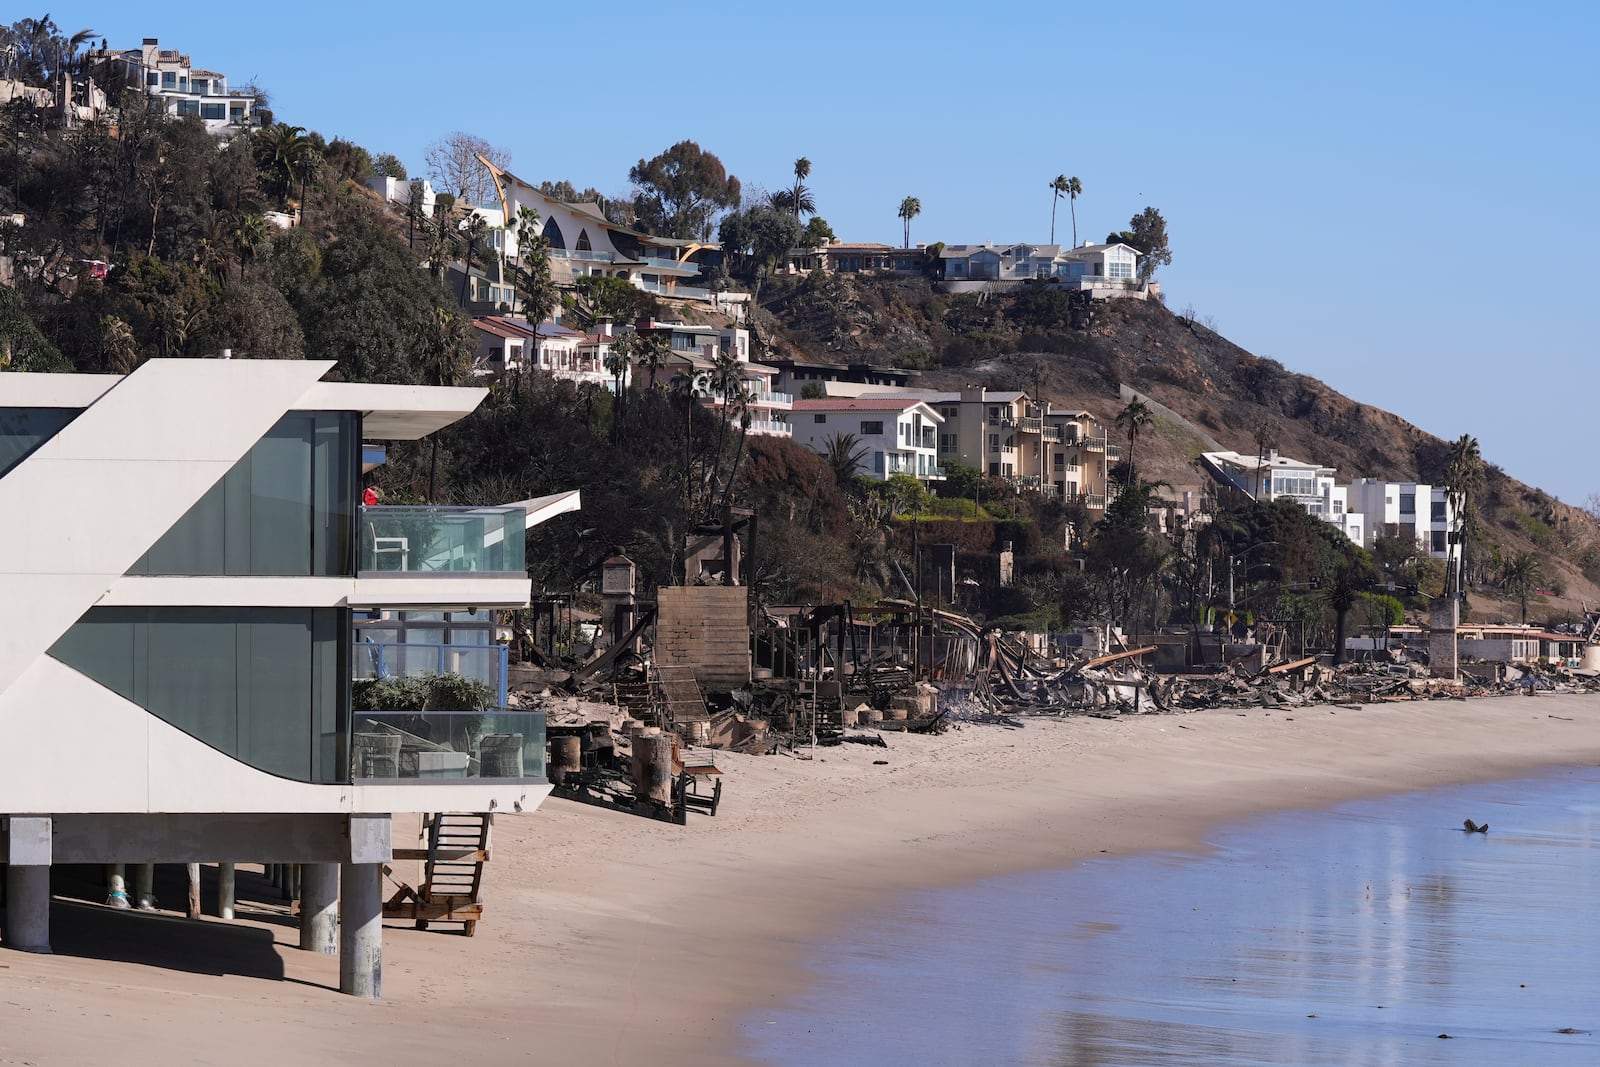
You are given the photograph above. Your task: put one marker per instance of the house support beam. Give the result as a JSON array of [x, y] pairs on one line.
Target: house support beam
[[319, 908], [144, 886], [227, 881], [28, 856], [369, 847]]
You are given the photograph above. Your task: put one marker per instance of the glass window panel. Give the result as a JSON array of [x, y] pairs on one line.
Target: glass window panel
[[24, 429], [263, 685]]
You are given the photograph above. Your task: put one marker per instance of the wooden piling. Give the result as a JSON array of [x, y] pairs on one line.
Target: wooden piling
[[566, 757], [652, 767]]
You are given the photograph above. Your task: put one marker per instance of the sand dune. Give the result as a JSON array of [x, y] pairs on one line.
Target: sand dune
[[612, 939]]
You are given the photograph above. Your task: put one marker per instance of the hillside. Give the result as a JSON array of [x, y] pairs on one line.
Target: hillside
[[1212, 390]]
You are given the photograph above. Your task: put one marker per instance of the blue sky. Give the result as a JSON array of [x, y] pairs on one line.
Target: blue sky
[[1398, 199]]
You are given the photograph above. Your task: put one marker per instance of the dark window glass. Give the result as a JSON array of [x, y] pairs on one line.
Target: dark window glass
[[24, 429], [262, 685], [286, 508]]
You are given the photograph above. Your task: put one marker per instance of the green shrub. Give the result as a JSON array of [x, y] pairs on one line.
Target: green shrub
[[422, 692]]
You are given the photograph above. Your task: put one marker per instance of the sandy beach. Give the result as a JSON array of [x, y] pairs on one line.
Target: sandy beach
[[613, 939]]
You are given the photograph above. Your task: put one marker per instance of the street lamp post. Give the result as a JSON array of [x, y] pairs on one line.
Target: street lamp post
[[1232, 560]]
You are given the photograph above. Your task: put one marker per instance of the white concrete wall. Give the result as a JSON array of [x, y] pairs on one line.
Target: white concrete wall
[[90, 501]]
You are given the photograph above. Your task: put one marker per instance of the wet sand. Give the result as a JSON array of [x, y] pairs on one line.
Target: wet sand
[[611, 939]]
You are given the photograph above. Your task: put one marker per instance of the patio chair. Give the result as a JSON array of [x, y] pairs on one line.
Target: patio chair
[[500, 756], [375, 755]]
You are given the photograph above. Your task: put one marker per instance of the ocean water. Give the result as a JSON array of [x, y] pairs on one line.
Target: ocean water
[[1354, 936]]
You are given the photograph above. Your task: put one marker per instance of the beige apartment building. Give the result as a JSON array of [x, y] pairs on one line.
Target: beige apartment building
[[1008, 435]]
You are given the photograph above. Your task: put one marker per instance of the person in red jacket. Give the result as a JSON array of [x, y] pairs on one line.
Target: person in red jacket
[[371, 496]]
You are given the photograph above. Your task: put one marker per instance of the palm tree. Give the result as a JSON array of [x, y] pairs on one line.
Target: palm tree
[[279, 146], [800, 196], [652, 352], [476, 229], [1464, 477], [1263, 436], [304, 166], [1074, 190], [1521, 575], [845, 453], [1133, 418], [910, 208], [1058, 187], [248, 235], [1343, 592]]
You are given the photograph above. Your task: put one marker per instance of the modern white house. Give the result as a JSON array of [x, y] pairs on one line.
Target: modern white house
[[696, 352], [1271, 476], [401, 191], [167, 76], [185, 554], [898, 435], [1405, 509]]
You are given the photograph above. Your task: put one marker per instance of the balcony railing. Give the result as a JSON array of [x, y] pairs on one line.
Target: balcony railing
[[447, 745], [1027, 425], [1093, 444], [427, 540], [669, 264], [1113, 452], [1006, 421], [771, 426], [372, 660], [583, 254], [1052, 433]]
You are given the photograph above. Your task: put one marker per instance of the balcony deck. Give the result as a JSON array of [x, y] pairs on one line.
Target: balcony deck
[[441, 540], [447, 746]]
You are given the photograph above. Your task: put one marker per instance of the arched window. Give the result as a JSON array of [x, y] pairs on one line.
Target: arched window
[[583, 242], [552, 233]]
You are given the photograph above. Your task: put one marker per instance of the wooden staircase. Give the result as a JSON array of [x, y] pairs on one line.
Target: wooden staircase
[[452, 874], [678, 694]]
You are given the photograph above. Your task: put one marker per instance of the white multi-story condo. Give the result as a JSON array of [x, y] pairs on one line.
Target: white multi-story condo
[[1406, 509], [183, 556]]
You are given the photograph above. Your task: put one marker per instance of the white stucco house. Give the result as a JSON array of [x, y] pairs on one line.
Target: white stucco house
[[182, 89], [1094, 266], [1271, 477], [1406, 509], [899, 435]]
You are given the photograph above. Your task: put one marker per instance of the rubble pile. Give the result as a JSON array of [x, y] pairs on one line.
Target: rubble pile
[[1015, 682]]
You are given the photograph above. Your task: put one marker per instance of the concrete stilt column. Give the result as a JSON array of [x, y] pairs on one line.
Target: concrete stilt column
[[28, 908], [361, 930], [116, 886], [370, 846], [144, 886], [31, 840], [226, 878], [319, 908]]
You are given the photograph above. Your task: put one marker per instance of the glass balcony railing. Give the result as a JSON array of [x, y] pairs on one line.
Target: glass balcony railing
[[428, 540], [447, 745], [583, 254], [669, 264]]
